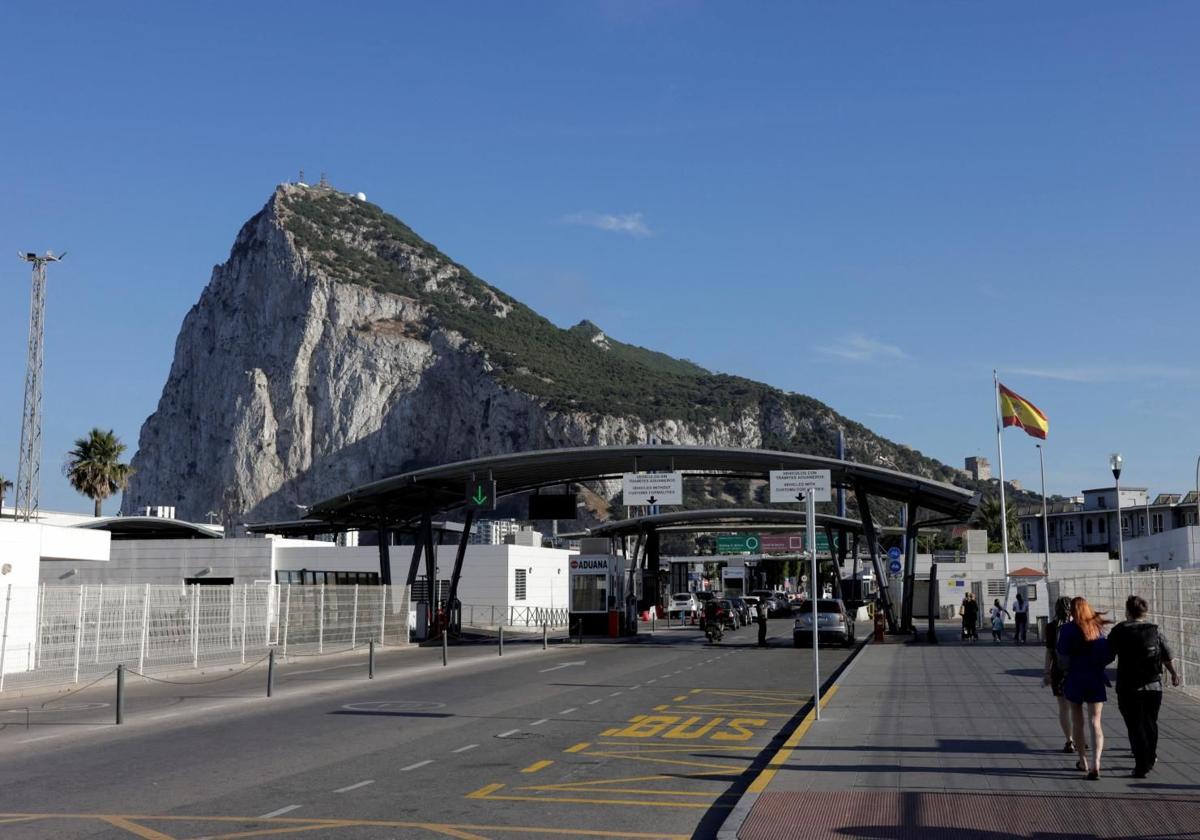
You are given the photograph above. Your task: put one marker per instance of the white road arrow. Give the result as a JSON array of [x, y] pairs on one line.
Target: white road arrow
[[563, 665]]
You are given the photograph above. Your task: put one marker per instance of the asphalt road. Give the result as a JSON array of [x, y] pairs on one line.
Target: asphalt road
[[646, 739]]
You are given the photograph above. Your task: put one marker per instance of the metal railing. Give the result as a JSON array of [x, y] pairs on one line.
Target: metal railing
[[1174, 599], [58, 635], [490, 617]]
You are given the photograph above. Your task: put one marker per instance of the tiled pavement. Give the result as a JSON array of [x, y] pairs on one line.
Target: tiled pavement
[[962, 741]]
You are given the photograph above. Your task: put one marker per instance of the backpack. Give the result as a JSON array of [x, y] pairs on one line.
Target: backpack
[[1140, 655]]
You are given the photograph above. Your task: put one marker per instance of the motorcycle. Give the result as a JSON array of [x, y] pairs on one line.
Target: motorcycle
[[714, 631]]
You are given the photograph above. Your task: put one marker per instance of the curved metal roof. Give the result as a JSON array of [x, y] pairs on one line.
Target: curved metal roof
[[404, 497], [152, 528], [720, 519]]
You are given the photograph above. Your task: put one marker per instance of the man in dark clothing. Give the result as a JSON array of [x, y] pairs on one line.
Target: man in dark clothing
[[760, 615], [1141, 653]]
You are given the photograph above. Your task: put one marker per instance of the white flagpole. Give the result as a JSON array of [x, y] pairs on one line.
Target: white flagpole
[[1003, 506]]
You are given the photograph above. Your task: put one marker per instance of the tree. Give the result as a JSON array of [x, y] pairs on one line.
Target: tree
[[988, 517], [94, 466], [5, 486]]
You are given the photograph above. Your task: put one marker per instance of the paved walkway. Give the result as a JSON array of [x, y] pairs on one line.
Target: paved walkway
[[956, 741]]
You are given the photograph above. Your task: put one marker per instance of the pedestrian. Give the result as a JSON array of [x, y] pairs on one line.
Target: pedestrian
[[997, 615], [1141, 653], [1021, 617], [970, 617], [760, 615], [1083, 650], [1053, 673]]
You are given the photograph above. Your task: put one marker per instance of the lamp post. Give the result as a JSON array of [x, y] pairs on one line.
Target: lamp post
[[1115, 463], [1045, 519]]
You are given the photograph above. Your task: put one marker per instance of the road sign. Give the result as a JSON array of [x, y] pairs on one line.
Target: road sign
[[664, 488], [894, 566], [791, 543], [794, 485], [738, 543], [481, 494], [894, 553]]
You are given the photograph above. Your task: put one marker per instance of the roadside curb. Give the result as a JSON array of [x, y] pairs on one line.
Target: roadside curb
[[795, 730]]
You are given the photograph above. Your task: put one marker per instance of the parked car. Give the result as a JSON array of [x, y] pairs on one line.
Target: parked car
[[728, 613], [742, 609], [683, 602], [834, 623], [768, 597]]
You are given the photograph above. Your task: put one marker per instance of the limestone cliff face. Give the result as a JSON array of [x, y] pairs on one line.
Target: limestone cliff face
[[336, 347]]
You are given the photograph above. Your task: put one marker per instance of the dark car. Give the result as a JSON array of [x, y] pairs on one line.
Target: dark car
[[744, 613], [729, 613], [834, 623]]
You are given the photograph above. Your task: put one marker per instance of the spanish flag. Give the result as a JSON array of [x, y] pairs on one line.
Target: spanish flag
[[1017, 411]]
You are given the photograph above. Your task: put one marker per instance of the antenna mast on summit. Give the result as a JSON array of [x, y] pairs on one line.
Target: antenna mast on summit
[[29, 465]]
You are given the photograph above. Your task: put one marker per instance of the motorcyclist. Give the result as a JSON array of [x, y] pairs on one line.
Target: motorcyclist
[[714, 618]]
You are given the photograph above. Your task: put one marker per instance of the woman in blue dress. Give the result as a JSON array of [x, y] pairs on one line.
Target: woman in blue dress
[[1083, 651]]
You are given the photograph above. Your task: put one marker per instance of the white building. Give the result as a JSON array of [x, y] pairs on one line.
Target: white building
[[493, 531], [1091, 524]]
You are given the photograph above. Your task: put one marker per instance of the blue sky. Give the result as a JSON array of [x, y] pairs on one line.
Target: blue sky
[[872, 203]]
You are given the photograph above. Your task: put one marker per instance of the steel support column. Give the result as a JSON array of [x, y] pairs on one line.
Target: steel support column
[[385, 556], [910, 568], [418, 545], [653, 570], [459, 555], [881, 580], [833, 563]]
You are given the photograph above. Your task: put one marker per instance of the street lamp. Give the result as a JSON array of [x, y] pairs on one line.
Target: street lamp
[[1045, 520], [1115, 463]]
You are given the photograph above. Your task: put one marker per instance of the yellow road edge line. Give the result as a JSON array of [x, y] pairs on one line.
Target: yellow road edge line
[[134, 828], [538, 765], [578, 800], [760, 783], [638, 791], [784, 753]]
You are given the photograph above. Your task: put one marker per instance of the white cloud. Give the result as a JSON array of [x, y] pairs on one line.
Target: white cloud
[[1104, 373], [630, 223], [858, 348], [885, 416]]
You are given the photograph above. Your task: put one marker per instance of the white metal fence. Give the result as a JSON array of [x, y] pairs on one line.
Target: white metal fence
[[1174, 599], [484, 616], [57, 635]]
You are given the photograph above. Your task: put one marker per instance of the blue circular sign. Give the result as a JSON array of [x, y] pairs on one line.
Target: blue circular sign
[[893, 553], [894, 566]]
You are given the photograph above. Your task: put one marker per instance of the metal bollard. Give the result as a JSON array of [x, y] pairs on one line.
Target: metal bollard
[[580, 626], [500, 650], [445, 647], [545, 636], [120, 694], [653, 615], [270, 670], [371, 660]]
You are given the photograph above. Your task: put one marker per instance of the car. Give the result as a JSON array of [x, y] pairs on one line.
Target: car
[[768, 597], [744, 614], [683, 602], [751, 603], [834, 623], [729, 613]]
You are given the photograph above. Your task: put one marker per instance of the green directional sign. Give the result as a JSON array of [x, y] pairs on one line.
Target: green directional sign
[[738, 544], [481, 494]]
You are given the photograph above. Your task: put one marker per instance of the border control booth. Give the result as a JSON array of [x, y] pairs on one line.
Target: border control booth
[[600, 588]]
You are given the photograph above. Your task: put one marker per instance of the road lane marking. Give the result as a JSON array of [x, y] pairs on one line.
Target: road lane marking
[[538, 765], [680, 698], [134, 828], [41, 738], [464, 749], [349, 788], [697, 690], [615, 693], [279, 812], [509, 732], [484, 791], [594, 702], [578, 747], [651, 681], [415, 766], [568, 711], [539, 722]]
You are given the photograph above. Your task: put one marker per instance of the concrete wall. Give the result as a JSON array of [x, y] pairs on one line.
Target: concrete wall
[[246, 560], [1175, 549], [489, 575]]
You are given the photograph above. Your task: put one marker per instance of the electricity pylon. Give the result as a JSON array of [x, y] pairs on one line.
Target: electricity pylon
[[29, 465]]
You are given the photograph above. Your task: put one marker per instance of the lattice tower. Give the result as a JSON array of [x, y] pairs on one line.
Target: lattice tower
[[29, 464]]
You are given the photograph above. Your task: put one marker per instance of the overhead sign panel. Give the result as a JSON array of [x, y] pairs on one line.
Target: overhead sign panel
[[795, 485], [665, 488], [791, 542], [738, 543], [481, 494]]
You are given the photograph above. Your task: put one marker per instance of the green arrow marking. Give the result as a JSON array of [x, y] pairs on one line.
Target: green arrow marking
[[480, 497]]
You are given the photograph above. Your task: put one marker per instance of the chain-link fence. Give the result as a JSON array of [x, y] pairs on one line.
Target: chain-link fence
[[1174, 599], [483, 616], [57, 635]]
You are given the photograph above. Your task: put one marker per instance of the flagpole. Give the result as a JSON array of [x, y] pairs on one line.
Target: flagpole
[[1000, 448]]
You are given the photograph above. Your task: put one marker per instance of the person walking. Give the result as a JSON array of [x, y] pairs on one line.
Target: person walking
[[1021, 617], [1142, 654], [1083, 650], [970, 617], [1053, 674], [997, 614], [760, 616]]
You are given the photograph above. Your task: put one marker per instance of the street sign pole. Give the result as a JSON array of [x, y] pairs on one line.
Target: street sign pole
[[810, 524]]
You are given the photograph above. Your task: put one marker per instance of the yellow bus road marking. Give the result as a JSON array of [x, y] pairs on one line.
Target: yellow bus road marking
[[652, 760], [578, 747], [697, 690], [656, 747], [537, 765], [454, 832], [599, 783], [287, 829], [485, 791], [134, 828], [310, 823], [680, 698], [661, 708], [639, 791], [577, 800]]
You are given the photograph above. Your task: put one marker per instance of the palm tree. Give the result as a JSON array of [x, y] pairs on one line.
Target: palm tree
[[94, 466], [5, 486], [989, 518]]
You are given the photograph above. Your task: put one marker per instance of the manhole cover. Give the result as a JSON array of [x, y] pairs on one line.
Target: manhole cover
[[70, 707], [394, 706]]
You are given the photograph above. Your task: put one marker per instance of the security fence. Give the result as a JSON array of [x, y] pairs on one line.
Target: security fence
[[489, 617], [58, 635], [1174, 599]]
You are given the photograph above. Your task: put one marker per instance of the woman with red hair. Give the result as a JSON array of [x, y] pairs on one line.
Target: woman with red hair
[[1083, 651]]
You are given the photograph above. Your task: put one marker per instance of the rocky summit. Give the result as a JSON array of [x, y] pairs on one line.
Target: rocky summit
[[335, 346]]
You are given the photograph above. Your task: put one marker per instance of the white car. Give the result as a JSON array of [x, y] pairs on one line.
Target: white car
[[683, 602]]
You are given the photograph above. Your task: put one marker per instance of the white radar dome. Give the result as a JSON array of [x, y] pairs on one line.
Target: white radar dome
[[361, 196]]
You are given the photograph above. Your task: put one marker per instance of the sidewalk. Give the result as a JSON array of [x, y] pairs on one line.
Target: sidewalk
[[956, 741]]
